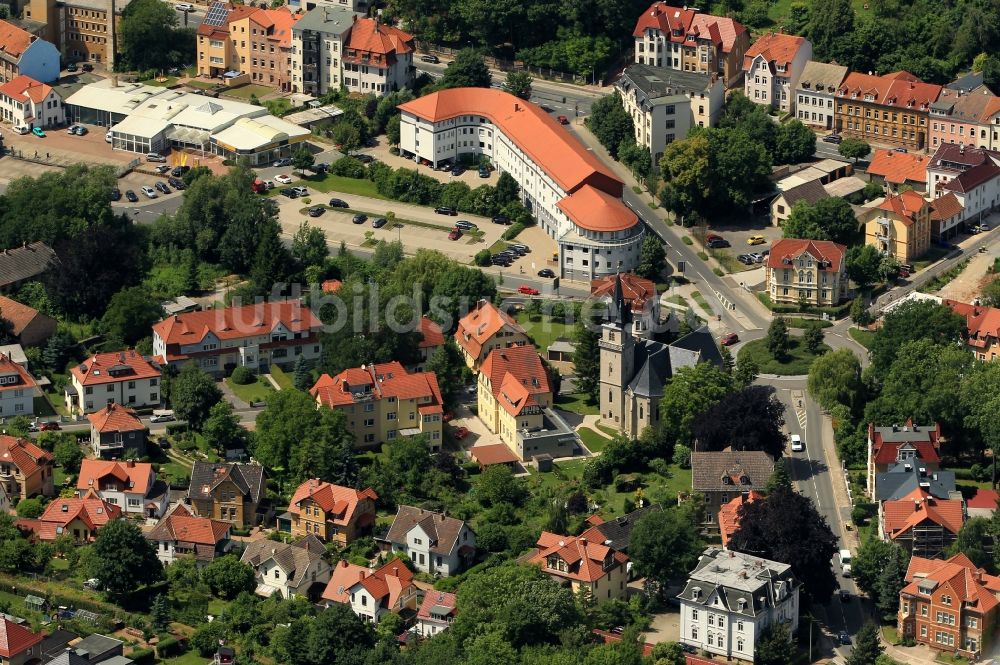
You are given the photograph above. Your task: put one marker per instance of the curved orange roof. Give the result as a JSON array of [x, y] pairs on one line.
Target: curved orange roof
[[594, 210]]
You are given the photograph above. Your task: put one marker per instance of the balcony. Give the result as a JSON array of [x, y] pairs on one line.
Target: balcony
[[882, 237], [883, 221]]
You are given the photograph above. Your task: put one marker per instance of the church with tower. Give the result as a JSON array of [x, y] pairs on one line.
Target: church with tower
[[635, 370]]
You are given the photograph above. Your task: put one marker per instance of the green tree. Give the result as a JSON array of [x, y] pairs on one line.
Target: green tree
[[813, 337], [991, 73], [691, 392], [891, 581], [665, 544], [309, 246], [228, 577], [271, 262], [652, 258], [687, 175], [827, 219], [498, 485], [828, 23], [347, 137], [859, 313], [835, 378], [222, 428], [149, 37], [68, 454], [446, 363], [159, 613], [777, 338], [193, 393], [740, 166], [862, 264], [30, 508], [794, 143], [745, 372], [749, 419], [991, 294], [392, 130], [867, 646], [872, 558], [333, 633], [302, 159], [911, 321], [123, 560], [854, 148], [610, 123], [467, 70], [779, 478], [518, 84], [586, 360], [207, 637], [979, 397], [490, 649], [58, 351], [774, 646], [302, 377]]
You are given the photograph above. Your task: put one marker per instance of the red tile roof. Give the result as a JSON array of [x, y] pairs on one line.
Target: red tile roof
[[723, 30], [339, 502], [115, 418], [235, 13], [385, 585], [494, 453], [900, 90], [516, 375], [15, 639], [13, 40], [370, 36], [983, 499], [278, 22], [974, 177], [729, 520], [982, 324], [820, 250], [898, 168], [22, 88], [9, 367], [237, 322], [24, 454], [181, 525], [477, 327], [596, 210], [665, 18], [924, 438], [636, 290], [431, 333], [331, 285], [345, 575], [775, 47], [378, 382], [902, 515], [584, 559], [18, 314], [975, 588], [905, 206], [113, 367], [91, 510], [136, 477], [439, 599]]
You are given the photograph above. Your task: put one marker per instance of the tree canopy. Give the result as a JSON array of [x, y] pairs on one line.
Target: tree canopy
[[193, 393], [467, 70], [828, 219], [150, 38], [123, 559], [610, 123], [918, 319], [691, 392], [665, 544], [748, 419]]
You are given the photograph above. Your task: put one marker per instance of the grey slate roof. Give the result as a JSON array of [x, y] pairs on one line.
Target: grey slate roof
[[759, 583], [328, 19], [617, 533], [248, 477], [967, 82], [810, 192], [293, 560], [656, 362], [822, 76], [21, 263], [442, 530], [699, 342], [730, 470], [899, 481], [94, 646], [652, 83], [69, 656]]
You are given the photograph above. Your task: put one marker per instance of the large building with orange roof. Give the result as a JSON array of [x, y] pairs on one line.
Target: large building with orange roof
[[892, 109], [132, 486], [575, 198], [383, 402], [25, 469], [812, 271], [329, 512], [123, 377], [949, 605], [773, 66], [24, 102], [222, 39], [80, 518], [17, 389], [921, 523], [982, 328], [966, 117], [899, 169], [900, 226], [18, 645], [371, 594], [486, 328], [591, 569]]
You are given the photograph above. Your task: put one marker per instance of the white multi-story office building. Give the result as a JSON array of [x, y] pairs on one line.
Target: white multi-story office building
[[575, 198]]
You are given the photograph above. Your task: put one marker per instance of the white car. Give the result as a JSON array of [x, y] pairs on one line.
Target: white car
[[283, 178], [161, 416], [148, 191], [797, 445], [184, 7]]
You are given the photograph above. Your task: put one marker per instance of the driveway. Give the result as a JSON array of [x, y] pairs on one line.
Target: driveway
[[479, 434], [470, 177]]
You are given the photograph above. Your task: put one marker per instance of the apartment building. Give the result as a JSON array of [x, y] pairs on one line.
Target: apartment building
[[684, 39], [264, 46], [329, 512], [972, 174], [130, 485], [24, 102], [25, 469], [82, 29], [966, 117], [921, 523], [252, 336], [222, 39], [811, 271], [982, 328], [318, 40], [900, 226], [574, 197], [889, 445], [383, 402], [891, 109], [814, 95], [665, 104], [123, 377], [484, 329], [773, 66], [593, 570], [25, 54], [17, 389]]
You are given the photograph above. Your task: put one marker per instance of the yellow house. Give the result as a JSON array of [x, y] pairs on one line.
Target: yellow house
[[222, 40], [486, 328], [810, 271], [900, 226], [513, 389], [330, 512], [594, 569]]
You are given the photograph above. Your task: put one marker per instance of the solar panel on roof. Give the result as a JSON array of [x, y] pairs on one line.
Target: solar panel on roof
[[217, 14]]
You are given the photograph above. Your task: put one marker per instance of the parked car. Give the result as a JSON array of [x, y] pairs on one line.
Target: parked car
[[300, 191], [484, 172], [833, 138], [178, 171], [443, 166], [844, 637], [563, 120], [527, 290], [161, 416], [519, 248], [465, 225], [176, 183], [283, 178], [446, 210], [87, 67], [745, 259], [316, 211], [71, 67], [338, 203], [80, 130], [378, 222], [130, 196], [718, 242], [501, 260], [359, 219], [289, 193], [797, 445], [460, 433], [455, 234], [756, 240], [24, 129], [284, 161], [757, 257], [71, 129], [900, 149], [364, 159], [161, 169], [433, 59], [37, 131], [116, 194], [501, 219], [546, 272], [729, 339], [162, 188], [712, 236], [322, 167], [184, 7], [51, 426], [155, 157], [457, 170], [148, 191]]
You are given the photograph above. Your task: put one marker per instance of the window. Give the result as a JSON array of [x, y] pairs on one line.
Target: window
[[694, 632], [946, 600], [694, 615], [711, 621]]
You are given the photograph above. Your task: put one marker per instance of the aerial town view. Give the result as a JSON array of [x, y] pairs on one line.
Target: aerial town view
[[554, 332]]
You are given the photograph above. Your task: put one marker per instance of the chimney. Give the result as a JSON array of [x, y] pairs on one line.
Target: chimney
[[130, 464], [361, 575], [583, 541], [395, 571], [343, 563]]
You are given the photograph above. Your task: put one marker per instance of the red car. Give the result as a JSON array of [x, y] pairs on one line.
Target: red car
[[527, 290], [461, 432], [712, 236], [455, 234], [729, 340], [448, 417], [49, 427], [563, 120]]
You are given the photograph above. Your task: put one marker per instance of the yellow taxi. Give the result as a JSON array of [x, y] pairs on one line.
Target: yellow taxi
[[756, 240]]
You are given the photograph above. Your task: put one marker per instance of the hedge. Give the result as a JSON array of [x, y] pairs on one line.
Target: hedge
[[142, 656], [176, 428], [513, 231], [171, 646]]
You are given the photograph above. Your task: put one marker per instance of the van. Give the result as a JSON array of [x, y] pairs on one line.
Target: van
[[845, 562], [155, 157], [798, 447], [22, 130]]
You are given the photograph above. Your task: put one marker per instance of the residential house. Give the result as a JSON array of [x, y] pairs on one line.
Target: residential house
[[131, 485], [617, 533], [23, 264], [972, 175], [377, 58], [731, 598], [80, 517], [889, 445], [318, 42], [434, 542], [723, 475], [810, 193], [966, 82], [982, 503], [295, 570], [900, 226], [665, 104], [729, 514], [18, 645], [25, 54], [436, 613], [383, 402], [897, 170], [252, 336], [180, 533], [17, 389], [24, 102], [811, 184], [372, 594], [920, 523], [265, 45], [592, 569], [228, 492], [330, 512], [965, 117], [25, 469], [684, 39], [219, 39], [773, 66], [640, 295], [890, 109], [815, 91], [634, 371], [812, 271], [486, 328], [573, 196], [903, 478], [950, 606], [947, 215], [431, 339], [29, 326], [122, 377], [115, 431], [982, 328]]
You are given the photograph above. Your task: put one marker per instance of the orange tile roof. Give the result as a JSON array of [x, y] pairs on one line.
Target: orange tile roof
[[331, 285], [234, 11], [946, 206], [91, 510], [181, 525], [905, 205], [236, 322], [901, 515], [279, 21], [983, 499], [729, 520], [596, 210], [8, 367], [899, 167], [369, 35], [136, 476], [494, 453], [774, 47], [973, 586], [24, 454], [477, 327], [665, 18], [13, 40], [636, 290], [378, 382], [22, 88], [15, 639], [115, 418], [723, 29], [535, 132], [19, 314], [584, 559], [792, 248], [431, 333], [982, 324], [388, 582], [113, 367], [345, 575], [440, 599], [898, 89], [340, 502], [516, 375]]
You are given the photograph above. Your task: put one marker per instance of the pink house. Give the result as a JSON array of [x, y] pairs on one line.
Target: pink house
[[969, 118]]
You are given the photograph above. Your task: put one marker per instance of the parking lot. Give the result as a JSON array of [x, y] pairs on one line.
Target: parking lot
[[60, 148], [738, 233], [470, 177]]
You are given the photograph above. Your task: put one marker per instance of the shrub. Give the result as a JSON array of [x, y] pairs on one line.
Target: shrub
[[482, 257], [513, 231], [142, 656], [242, 376], [687, 240], [170, 646], [176, 428], [348, 167]]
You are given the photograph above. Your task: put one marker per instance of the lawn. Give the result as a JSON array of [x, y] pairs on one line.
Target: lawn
[[862, 337], [42, 407], [188, 658], [933, 255], [245, 92], [799, 322], [700, 299], [890, 634], [203, 85], [284, 380], [796, 363], [334, 183], [545, 330], [728, 261], [576, 403], [594, 441], [258, 391]]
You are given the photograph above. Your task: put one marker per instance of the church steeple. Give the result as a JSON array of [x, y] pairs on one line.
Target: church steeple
[[621, 310]]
